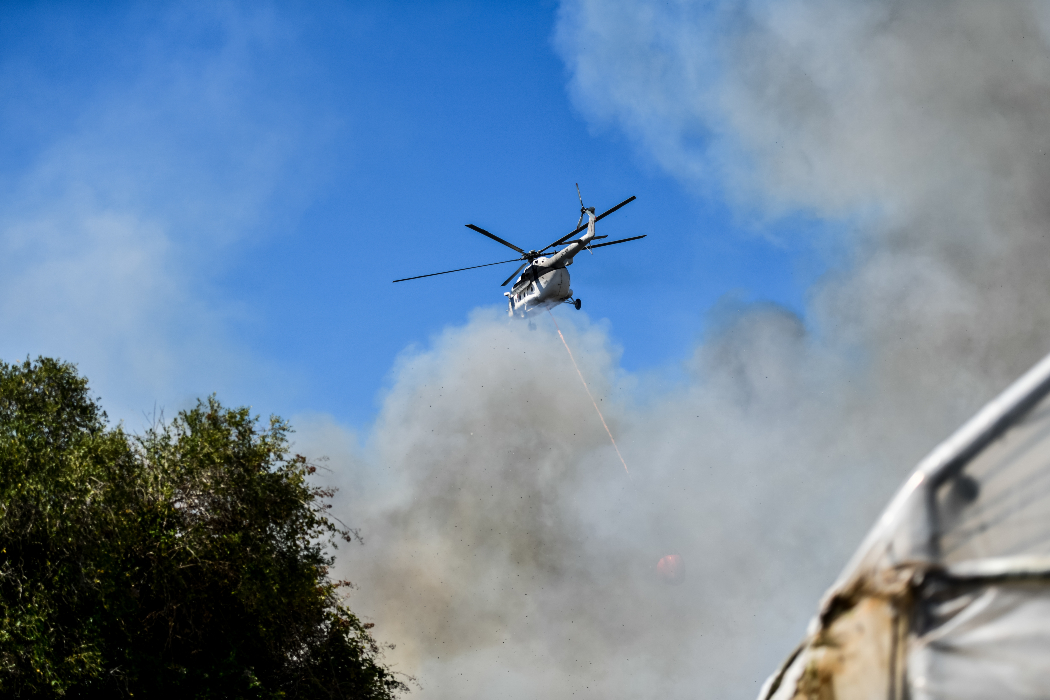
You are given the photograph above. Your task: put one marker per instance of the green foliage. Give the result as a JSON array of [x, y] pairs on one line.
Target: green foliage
[[190, 561]]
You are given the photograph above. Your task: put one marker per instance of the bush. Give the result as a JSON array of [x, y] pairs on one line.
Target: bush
[[190, 561]]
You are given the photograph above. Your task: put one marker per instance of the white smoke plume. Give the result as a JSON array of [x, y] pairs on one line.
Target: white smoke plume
[[509, 555]]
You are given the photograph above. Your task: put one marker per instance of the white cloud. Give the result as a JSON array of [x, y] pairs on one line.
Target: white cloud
[[115, 232]]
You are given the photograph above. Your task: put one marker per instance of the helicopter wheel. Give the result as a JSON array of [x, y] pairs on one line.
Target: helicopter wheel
[[578, 304]]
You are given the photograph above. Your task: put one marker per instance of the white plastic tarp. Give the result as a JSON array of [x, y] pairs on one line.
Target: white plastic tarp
[[949, 596]]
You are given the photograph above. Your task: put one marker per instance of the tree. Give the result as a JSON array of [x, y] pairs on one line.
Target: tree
[[189, 561]]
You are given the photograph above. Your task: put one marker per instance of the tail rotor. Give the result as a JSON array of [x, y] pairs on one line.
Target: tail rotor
[[583, 209]]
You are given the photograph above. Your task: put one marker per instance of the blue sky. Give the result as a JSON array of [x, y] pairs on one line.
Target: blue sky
[[262, 173]]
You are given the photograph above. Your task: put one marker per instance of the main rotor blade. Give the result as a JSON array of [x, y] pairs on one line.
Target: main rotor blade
[[432, 274], [597, 218], [565, 238], [622, 240], [514, 274], [483, 232], [623, 203]]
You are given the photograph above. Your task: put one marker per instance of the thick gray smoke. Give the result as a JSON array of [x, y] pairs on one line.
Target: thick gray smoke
[[507, 552]]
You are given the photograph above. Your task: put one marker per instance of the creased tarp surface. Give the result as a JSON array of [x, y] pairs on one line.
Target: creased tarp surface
[[952, 585], [993, 642]]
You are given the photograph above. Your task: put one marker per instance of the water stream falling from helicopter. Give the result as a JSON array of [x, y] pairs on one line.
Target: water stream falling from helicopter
[[545, 280], [587, 389]]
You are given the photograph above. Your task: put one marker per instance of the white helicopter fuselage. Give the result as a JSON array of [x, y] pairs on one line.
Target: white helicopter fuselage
[[545, 282], [538, 289]]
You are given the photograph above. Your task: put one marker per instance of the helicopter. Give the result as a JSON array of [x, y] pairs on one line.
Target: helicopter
[[544, 279]]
